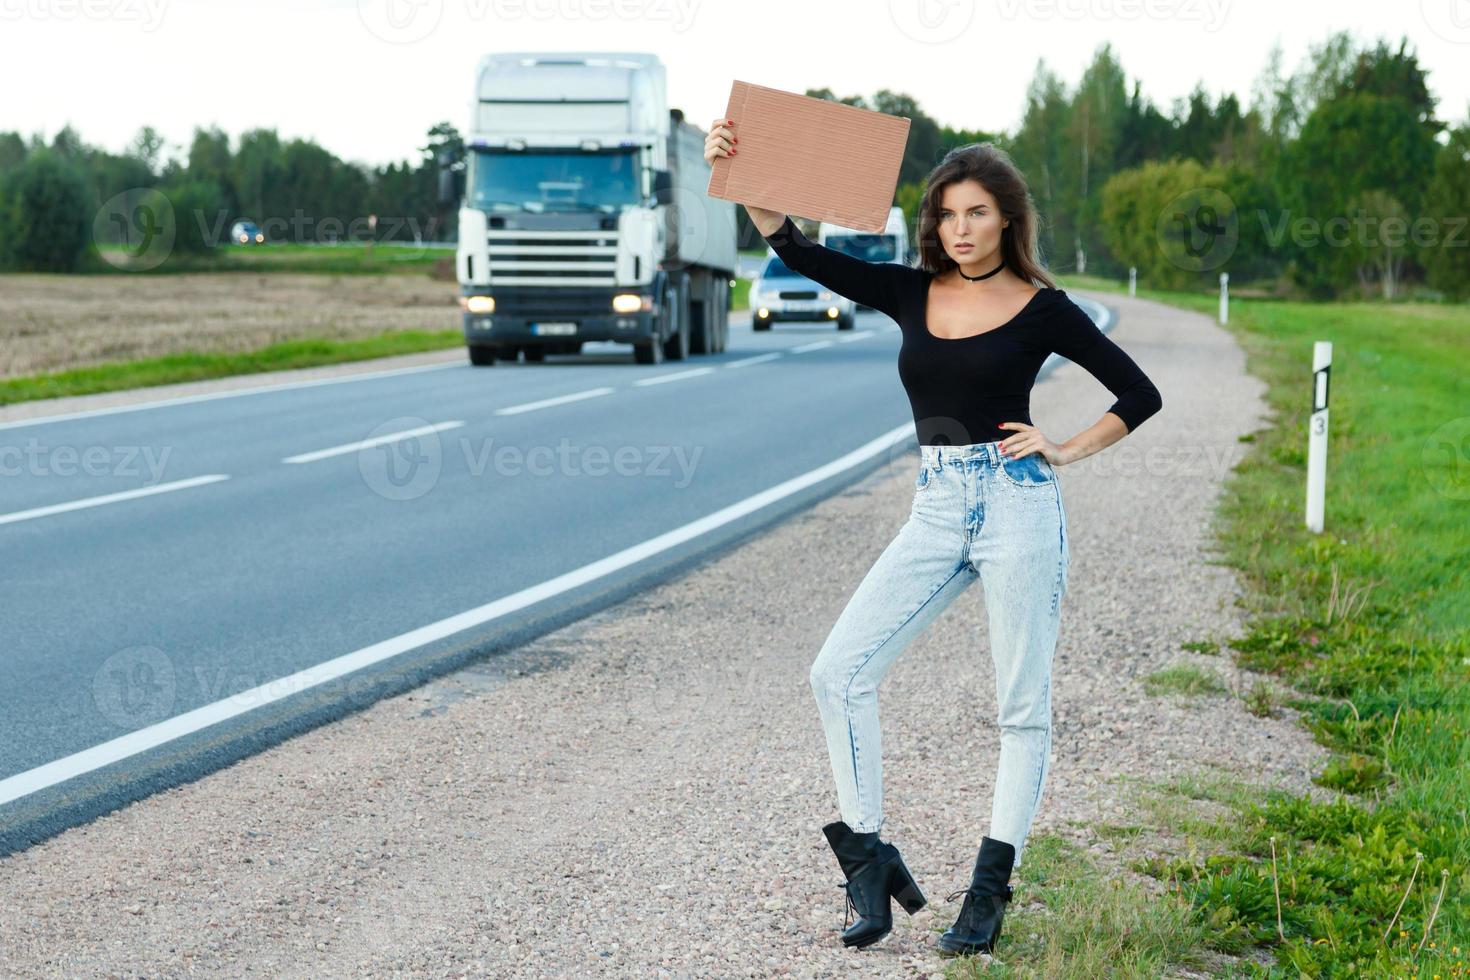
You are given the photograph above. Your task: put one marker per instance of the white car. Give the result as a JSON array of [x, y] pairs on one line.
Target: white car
[[780, 294]]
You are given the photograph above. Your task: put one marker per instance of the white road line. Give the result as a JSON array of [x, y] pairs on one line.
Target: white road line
[[860, 335], [678, 376], [754, 360], [106, 753], [234, 393], [818, 345], [110, 498], [548, 402], [353, 447]]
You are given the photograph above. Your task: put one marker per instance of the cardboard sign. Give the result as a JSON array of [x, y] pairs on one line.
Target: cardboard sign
[[810, 157]]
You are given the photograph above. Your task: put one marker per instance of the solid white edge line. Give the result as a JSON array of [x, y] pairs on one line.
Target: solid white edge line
[[108, 498], [117, 749], [353, 447], [211, 395]]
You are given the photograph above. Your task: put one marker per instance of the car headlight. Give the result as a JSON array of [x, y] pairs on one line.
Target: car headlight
[[479, 304]]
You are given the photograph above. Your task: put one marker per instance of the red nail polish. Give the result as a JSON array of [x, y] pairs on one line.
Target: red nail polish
[[729, 122]]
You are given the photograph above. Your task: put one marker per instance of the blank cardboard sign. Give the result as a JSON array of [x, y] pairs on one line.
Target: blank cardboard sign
[[810, 157]]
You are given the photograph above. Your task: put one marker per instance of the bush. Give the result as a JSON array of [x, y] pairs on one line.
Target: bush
[[43, 215], [200, 222]]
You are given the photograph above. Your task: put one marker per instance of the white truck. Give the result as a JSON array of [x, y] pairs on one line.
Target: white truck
[[889, 245], [583, 213]]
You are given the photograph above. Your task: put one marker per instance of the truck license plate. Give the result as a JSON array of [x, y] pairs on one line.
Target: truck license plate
[[542, 329]]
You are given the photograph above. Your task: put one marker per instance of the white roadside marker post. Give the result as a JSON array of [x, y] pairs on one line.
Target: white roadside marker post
[[1224, 298], [1317, 436], [1133, 280]]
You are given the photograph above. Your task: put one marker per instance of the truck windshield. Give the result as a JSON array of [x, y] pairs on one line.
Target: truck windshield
[[553, 180], [869, 248]]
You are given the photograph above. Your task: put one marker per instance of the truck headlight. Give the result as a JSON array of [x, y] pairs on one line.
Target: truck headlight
[[479, 304], [631, 303]]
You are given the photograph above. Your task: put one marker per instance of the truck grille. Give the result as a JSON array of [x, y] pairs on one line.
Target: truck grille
[[568, 304], [519, 257]]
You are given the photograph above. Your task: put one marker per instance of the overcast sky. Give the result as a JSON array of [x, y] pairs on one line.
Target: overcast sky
[[366, 78]]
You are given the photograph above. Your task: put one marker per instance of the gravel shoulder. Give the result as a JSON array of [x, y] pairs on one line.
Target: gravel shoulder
[[641, 793]]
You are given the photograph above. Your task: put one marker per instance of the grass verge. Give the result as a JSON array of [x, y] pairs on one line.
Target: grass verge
[[191, 366]]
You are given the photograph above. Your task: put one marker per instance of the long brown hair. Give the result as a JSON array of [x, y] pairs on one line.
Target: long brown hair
[[992, 167]]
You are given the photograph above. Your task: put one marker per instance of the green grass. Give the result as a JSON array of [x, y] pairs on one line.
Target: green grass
[[1369, 625], [1183, 681], [190, 366], [1089, 925]]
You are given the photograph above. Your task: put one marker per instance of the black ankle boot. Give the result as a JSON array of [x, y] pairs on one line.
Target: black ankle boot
[[875, 871], [978, 926]]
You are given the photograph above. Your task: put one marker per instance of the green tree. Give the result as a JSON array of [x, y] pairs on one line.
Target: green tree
[[1349, 146], [1446, 258], [44, 214]]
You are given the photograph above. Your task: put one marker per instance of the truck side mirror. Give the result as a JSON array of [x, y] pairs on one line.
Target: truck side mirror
[[663, 187], [451, 180]]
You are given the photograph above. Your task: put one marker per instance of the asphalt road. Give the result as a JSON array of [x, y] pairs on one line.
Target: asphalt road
[[185, 584]]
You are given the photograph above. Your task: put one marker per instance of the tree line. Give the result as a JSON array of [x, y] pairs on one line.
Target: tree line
[[62, 198], [1337, 179]]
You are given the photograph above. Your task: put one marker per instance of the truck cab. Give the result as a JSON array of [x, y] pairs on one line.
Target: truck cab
[[583, 213], [889, 245]]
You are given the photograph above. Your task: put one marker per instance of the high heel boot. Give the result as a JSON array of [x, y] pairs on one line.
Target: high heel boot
[[875, 871], [977, 928]]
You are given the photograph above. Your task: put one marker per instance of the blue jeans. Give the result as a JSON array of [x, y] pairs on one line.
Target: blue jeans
[[974, 515]]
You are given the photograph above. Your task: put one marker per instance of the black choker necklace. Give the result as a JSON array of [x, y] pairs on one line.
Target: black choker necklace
[[986, 276]]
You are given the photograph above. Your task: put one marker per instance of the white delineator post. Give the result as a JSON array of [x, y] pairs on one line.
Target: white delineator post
[[1317, 436], [1132, 280], [1224, 297]]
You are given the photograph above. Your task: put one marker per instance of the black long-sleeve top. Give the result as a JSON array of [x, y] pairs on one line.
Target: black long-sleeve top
[[962, 389]]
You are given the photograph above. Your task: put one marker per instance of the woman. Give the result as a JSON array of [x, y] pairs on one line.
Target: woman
[[979, 317]]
